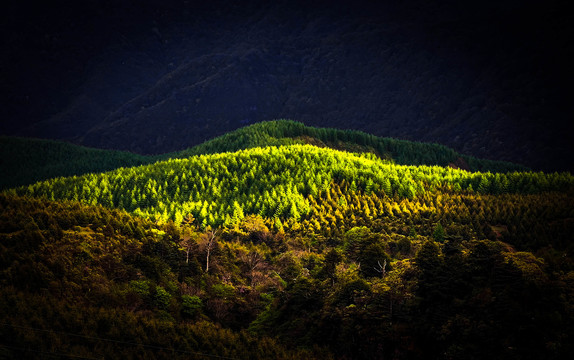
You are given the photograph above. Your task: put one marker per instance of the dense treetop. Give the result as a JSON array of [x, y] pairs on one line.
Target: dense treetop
[[283, 132], [455, 272], [291, 250], [273, 182], [25, 161]]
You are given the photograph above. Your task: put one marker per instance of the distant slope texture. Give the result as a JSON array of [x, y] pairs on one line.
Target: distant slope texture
[[485, 78]]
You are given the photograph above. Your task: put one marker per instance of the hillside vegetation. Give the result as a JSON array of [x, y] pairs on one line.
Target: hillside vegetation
[[361, 275], [25, 161], [273, 182], [290, 251], [285, 132], [87, 282]]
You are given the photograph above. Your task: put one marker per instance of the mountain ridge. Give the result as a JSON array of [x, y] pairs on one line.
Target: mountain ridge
[[26, 161], [477, 79]]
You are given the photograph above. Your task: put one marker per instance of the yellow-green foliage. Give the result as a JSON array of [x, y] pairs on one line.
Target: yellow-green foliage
[[273, 182]]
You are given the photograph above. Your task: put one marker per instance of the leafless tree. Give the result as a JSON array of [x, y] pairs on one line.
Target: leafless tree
[[188, 241], [208, 240], [381, 269], [255, 263]]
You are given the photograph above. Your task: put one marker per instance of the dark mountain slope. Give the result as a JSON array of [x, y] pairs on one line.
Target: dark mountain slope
[[486, 78]]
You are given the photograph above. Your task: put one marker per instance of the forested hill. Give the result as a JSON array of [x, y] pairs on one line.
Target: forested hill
[[218, 189], [289, 251], [313, 254], [25, 161], [282, 132]]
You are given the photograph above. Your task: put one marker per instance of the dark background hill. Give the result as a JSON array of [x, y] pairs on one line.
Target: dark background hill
[[488, 78]]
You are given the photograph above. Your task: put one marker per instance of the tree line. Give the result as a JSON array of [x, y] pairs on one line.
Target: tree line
[[30, 160], [219, 189]]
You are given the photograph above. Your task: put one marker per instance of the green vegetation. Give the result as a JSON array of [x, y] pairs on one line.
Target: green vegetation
[[89, 282], [29, 160], [25, 161], [286, 252], [360, 271], [220, 189], [285, 132]]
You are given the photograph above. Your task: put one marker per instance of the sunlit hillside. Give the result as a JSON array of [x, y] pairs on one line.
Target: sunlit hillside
[[219, 189], [290, 251], [25, 161]]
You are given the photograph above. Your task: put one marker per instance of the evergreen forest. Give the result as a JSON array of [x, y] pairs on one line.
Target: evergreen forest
[[282, 241], [26, 161]]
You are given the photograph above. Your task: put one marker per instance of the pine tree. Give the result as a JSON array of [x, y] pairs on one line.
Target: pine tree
[[438, 233]]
